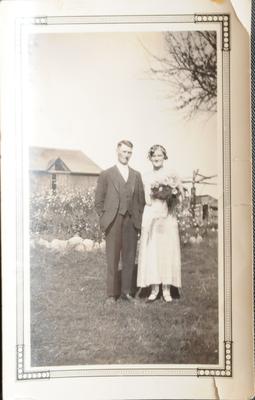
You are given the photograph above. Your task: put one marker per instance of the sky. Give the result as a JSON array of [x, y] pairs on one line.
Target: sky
[[89, 90]]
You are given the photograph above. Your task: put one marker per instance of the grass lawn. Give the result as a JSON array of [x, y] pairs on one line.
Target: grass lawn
[[71, 325]]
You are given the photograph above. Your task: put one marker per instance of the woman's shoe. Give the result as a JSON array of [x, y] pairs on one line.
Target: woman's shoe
[[167, 297], [152, 297]]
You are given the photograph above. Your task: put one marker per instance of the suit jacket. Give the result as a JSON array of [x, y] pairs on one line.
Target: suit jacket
[[107, 198]]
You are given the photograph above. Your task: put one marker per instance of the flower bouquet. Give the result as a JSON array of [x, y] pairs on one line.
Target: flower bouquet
[[167, 189]]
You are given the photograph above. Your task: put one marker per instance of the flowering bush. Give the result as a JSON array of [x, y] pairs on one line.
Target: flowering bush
[[64, 214], [193, 229]]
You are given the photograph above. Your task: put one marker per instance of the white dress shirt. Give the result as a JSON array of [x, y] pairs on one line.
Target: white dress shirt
[[124, 170]]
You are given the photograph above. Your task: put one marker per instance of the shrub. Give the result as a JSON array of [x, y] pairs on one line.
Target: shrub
[[71, 212], [64, 214], [192, 227]]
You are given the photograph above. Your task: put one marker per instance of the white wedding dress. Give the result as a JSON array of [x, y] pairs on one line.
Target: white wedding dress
[[159, 259]]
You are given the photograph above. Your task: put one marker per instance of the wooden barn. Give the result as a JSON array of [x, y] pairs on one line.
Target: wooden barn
[[58, 169]]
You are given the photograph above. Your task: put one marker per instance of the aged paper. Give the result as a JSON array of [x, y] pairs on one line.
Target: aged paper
[[76, 79], [243, 11]]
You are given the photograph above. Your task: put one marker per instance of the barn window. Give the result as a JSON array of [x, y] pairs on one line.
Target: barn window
[[59, 165], [54, 182]]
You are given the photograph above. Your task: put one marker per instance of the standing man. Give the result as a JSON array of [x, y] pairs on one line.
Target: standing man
[[119, 202]]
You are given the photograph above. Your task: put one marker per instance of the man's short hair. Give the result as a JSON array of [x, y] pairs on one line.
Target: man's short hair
[[126, 143]]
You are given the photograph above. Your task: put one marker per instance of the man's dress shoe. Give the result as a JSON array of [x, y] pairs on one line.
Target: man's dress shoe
[[127, 297]]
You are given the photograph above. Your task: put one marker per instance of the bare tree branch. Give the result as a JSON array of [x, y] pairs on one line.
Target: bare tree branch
[[191, 69]]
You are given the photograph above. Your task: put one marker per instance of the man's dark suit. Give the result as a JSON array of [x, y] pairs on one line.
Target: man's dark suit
[[119, 205]]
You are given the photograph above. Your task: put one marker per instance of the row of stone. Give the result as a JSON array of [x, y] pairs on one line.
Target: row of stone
[[74, 243]]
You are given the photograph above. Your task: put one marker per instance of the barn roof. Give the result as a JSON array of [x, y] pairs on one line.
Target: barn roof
[[42, 158], [206, 199]]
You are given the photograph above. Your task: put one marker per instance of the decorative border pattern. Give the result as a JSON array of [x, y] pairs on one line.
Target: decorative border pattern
[[224, 19], [226, 370], [27, 375]]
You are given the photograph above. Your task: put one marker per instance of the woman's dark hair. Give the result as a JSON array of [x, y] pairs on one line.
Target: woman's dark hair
[[157, 147]]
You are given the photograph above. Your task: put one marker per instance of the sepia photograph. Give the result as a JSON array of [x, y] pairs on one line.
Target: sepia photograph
[[123, 198], [126, 200]]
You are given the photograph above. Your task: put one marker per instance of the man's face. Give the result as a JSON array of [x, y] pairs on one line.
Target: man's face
[[124, 153]]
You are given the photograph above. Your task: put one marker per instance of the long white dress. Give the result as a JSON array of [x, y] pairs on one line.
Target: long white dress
[[159, 259]]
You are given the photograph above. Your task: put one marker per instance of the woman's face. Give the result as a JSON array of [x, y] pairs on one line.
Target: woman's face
[[157, 159]]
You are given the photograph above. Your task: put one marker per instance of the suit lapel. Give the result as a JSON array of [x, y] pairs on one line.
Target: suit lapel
[[131, 179], [115, 177]]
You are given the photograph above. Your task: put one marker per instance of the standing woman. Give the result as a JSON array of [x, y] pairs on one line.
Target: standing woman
[[159, 256]]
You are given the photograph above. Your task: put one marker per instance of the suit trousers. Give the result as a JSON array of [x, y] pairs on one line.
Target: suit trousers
[[121, 242]]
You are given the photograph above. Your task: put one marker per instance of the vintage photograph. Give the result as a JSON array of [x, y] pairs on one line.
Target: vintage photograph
[[124, 183], [126, 200]]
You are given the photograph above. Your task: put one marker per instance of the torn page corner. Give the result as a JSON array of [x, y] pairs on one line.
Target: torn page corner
[[216, 390]]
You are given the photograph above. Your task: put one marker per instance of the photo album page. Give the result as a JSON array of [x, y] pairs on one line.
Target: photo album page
[[126, 200]]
